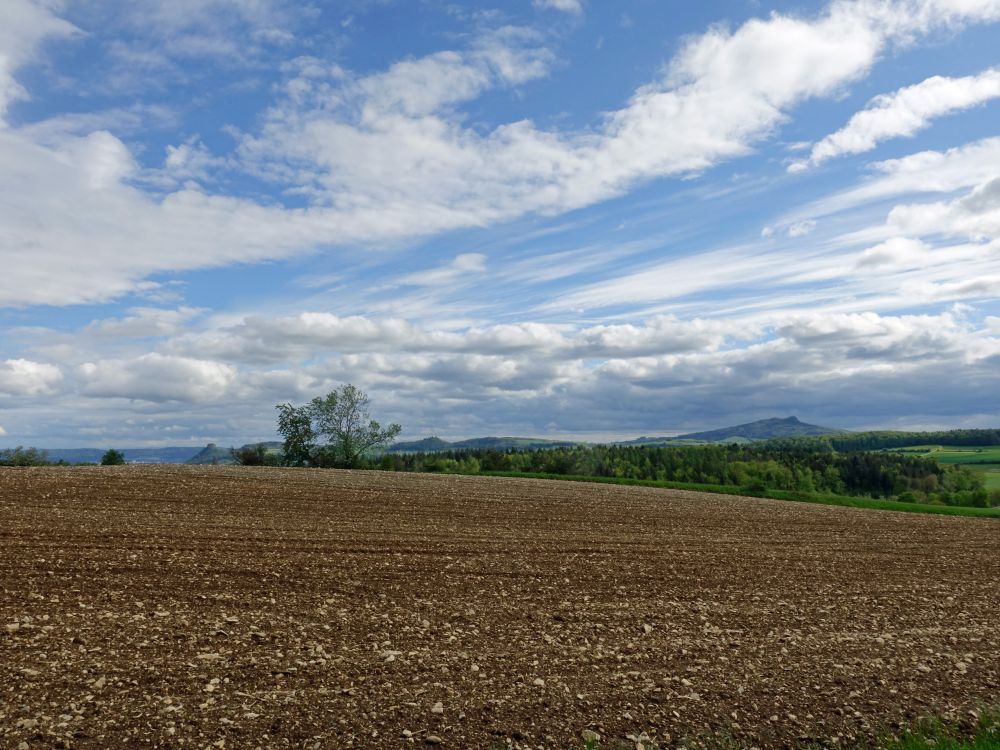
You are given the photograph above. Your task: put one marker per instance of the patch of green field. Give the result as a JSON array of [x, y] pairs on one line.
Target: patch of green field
[[991, 474], [983, 459], [956, 454]]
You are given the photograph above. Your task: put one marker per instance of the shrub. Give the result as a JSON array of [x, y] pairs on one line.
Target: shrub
[[113, 458]]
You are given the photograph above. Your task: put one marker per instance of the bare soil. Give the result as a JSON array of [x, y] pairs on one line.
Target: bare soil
[[223, 607]]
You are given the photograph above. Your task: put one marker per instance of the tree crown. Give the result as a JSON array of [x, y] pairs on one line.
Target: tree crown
[[340, 419]]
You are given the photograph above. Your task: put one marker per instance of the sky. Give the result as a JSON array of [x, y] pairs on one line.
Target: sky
[[537, 217]]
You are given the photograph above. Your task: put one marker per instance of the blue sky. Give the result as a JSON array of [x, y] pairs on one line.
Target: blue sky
[[548, 217]]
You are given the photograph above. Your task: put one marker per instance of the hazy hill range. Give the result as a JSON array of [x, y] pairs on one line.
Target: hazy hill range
[[762, 429], [435, 444], [168, 455]]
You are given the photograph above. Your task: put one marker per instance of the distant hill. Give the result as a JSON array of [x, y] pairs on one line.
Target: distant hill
[[213, 454], [437, 445], [169, 455], [762, 429], [425, 445], [751, 432]]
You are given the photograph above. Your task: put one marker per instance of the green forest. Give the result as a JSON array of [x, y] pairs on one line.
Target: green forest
[[887, 439], [765, 466]]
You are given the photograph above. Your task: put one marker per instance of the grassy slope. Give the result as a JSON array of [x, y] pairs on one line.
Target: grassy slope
[[850, 502]]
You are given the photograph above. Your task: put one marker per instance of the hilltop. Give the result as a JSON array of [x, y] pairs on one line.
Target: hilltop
[[762, 429], [436, 444]]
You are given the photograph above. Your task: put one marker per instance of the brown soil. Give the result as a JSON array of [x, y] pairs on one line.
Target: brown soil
[[221, 607]]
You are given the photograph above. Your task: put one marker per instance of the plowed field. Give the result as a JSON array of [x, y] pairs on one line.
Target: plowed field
[[223, 607]]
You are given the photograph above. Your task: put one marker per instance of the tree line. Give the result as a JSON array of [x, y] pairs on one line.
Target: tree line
[[21, 456], [886, 439], [754, 467]]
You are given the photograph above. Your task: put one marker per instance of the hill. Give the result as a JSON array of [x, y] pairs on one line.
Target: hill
[[213, 454], [168, 455], [437, 445], [762, 429], [425, 445]]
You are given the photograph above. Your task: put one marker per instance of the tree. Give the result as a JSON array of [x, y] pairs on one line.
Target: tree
[[255, 454], [113, 458], [342, 420], [249, 455], [295, 425]]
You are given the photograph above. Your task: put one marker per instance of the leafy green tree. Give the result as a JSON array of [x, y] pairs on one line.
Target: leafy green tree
[[250, 455], [336, 429], [295, 426], [113, 458]]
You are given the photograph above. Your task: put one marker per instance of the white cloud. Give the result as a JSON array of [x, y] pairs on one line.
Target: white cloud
[[975, 215], [143, 322], [898, 252], [903, 113], [801, 228], [22, 377], [722, 92], [390, 156], [567, 6], [26, 23], [2, 430], [264, 340], [856, 368], [462, 265], [957, 168], [157, 377]]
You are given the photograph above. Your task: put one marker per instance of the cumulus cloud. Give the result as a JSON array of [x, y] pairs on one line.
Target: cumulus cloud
[[975, 215], [157, 377], [856, 368], [898, 252], [143, 322], [261, 340], [903, 113], [22, 377]]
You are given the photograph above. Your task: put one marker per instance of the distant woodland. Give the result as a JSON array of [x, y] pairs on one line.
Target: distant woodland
[[798, 465]]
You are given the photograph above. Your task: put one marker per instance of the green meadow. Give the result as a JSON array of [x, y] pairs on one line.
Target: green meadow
[[984, 459]]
